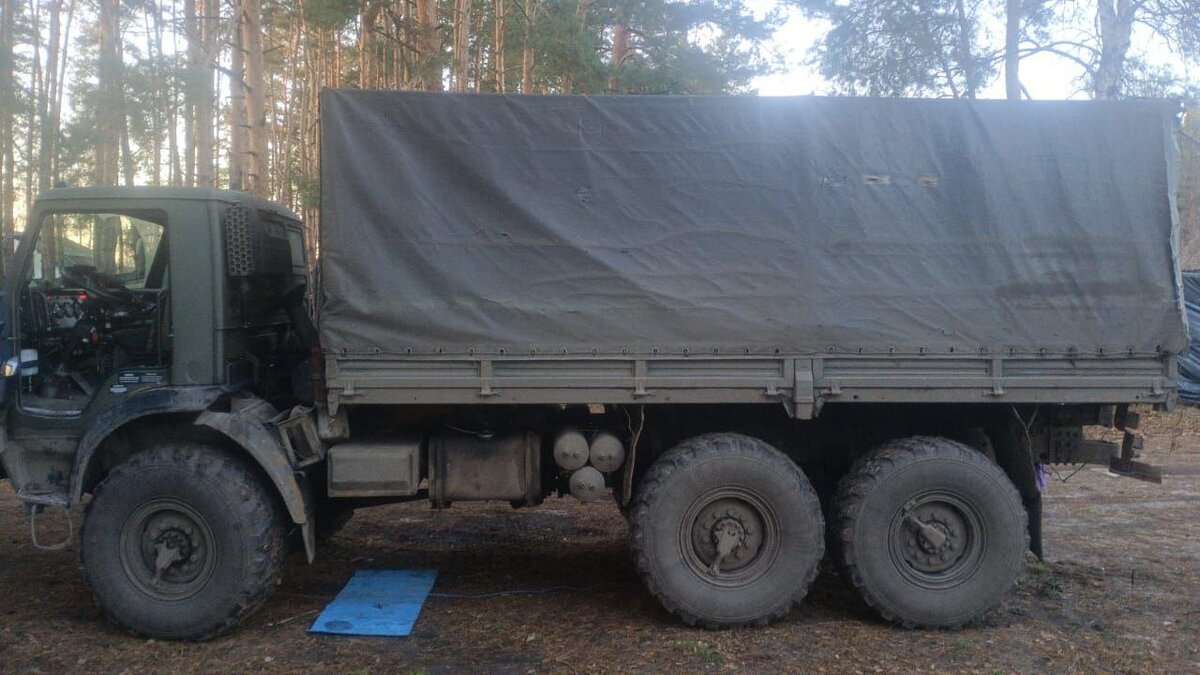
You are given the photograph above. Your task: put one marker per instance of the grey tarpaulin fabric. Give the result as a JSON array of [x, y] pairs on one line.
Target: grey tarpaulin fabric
[[478, 222], [1189, 359]]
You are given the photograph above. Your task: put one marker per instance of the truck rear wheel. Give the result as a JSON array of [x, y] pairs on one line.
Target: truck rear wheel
[[727, 531], [182, 542], [929, 531]]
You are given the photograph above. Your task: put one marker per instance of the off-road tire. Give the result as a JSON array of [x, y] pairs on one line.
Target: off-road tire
[[692, 472], [238, 508], [882, 492]]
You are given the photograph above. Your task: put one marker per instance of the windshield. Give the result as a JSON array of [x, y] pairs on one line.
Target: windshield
[[118, 245]]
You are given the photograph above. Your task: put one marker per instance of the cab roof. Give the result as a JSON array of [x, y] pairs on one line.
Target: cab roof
[[146, 192]]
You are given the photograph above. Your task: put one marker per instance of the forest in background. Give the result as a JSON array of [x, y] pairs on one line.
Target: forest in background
[[223, 93]]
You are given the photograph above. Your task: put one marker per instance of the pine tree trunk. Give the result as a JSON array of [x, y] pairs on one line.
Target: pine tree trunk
[[402, 22], [193, 91], [498, 46], [108, 108], [153, 25], [128, 164], [237, 101], [476, 52], [527, 49], [966, 59], [174, 169], [256, 99], [283, 169], [203, 71], [8, 108], [368, 45], [1115, 19], [620, 47], [1012, 53], [48, 112], [32, 111], [462, 29], [430, 68], [174, 160]]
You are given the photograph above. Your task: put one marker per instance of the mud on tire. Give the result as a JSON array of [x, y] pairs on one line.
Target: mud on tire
[[930, 532], [182, 542], [726, 531]]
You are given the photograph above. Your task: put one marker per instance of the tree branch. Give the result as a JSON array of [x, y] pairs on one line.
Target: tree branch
[[1066, 43], [1087, 67]]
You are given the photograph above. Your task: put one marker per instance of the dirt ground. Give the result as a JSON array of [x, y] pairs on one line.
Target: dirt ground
[[1120, 592]]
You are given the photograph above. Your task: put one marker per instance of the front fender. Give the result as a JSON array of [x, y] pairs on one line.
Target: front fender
[[156, 401], [264, 446]]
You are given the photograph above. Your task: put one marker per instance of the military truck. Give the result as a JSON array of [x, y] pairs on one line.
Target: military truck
[[768, 328]]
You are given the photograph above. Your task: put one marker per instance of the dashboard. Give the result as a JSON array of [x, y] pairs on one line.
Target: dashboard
[[64, 307]]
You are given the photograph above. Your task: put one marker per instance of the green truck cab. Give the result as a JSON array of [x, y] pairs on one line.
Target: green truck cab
[[128, 326]]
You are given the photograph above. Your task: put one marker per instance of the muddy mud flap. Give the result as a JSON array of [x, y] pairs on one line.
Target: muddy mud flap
[[250, 431]]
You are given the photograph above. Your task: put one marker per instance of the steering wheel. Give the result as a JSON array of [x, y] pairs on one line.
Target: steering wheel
[[98, 285]]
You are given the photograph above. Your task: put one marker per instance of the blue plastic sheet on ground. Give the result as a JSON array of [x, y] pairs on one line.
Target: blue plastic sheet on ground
[[377, 602], [1189, 359]]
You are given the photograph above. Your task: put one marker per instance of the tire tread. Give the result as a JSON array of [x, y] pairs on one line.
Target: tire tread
[[869, 470], [678, 458], [258, 506]]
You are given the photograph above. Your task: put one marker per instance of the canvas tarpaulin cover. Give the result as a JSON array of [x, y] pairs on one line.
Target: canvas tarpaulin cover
[[744, 224]]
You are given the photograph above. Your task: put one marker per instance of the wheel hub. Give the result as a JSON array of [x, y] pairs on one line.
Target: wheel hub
[[166, 550], [176, 540], [727, 535], [933, 537], [173, 547]]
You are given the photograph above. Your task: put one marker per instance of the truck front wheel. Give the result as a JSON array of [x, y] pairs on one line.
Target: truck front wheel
[[929, 531], [182, 542], [727, 531]]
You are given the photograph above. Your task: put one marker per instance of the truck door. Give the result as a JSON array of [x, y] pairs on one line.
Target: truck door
[[93, 309]]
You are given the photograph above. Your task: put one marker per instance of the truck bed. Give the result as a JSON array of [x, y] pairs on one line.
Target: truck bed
[[501, 249], [800, 384]]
